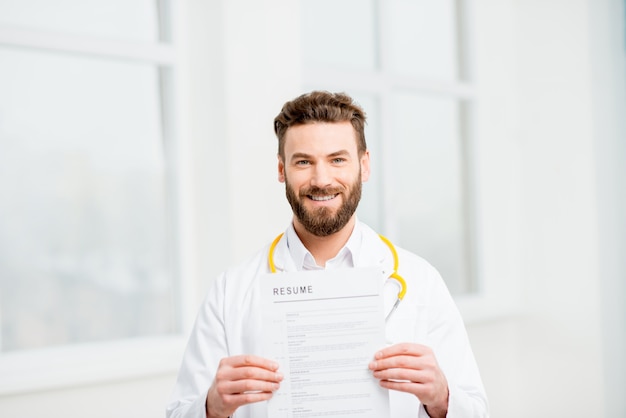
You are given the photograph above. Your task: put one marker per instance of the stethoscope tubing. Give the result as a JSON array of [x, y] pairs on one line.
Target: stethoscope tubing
[[393, 276]]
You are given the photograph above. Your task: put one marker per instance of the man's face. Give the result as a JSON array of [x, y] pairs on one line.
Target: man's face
[[323, 172]]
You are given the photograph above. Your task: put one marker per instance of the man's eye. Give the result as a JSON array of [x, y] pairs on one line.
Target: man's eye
[[339, 160], [302, 162]]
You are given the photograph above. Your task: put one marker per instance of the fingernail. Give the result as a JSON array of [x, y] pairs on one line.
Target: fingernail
[[279, 376]]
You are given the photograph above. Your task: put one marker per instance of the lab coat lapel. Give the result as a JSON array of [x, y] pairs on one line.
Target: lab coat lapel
[[282, 257], [374, 252]]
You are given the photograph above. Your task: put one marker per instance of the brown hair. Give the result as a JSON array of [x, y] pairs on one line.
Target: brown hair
[[320, 106]]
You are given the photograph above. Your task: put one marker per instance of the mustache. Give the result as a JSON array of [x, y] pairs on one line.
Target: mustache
[[320, 191]]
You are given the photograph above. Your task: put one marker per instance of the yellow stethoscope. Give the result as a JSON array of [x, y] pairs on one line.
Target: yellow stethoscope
[[393, 276]]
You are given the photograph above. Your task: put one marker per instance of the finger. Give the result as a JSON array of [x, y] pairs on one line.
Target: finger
[[226, 395], [250, 360], [234, 401], [404, 375], [227, 404], [417, 389], [251, 373], [428, 393], [410, 349], [249, 386], [403, 362]]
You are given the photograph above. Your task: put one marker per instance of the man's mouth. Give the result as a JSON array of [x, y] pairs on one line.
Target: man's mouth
[[322, 198]]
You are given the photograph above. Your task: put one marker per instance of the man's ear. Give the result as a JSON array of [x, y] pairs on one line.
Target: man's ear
[[281, 170], [365, 166]]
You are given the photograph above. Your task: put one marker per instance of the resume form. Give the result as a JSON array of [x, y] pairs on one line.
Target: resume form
[[323, 328]]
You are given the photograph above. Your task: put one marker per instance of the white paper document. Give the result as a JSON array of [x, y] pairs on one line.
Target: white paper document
[[323, 328]]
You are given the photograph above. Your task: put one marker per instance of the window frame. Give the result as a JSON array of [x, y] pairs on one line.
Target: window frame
[[24, 371], [492, 296]]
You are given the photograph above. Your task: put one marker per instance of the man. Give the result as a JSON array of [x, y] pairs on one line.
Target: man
[[323, 160]]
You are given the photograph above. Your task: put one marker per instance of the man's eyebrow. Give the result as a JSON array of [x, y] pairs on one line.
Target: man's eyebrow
[[300, 155], [303, 155], [339, 153]]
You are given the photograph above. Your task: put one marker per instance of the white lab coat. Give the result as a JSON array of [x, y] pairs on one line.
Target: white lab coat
[[228, 323]]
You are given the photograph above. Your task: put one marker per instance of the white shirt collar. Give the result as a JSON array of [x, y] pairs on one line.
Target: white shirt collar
[[304, 260]]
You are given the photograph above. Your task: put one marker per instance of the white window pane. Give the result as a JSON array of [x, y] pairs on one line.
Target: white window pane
[[427, 184], [339, 34], [84, 239], [423, 38], [135, 20]]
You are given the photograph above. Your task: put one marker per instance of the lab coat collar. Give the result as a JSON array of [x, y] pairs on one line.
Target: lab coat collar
[[374, 252], [365, 245], [303, 259]]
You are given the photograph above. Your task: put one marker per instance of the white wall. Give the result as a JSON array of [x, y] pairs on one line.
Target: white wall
[[549, 360], [548, 224], [561, 270]]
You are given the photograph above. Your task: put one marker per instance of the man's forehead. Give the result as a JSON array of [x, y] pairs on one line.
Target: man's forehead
[[322, 134]]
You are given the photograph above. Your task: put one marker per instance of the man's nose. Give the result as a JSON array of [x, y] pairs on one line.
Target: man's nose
[[321, 176]]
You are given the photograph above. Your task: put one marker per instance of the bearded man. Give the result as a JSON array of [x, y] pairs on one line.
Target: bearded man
[[323, 160]]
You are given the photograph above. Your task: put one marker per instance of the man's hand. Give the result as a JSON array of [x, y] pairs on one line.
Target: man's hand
[[241, 380], [413, 368]]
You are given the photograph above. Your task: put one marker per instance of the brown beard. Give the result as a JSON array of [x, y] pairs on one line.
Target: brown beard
[[321, 222]]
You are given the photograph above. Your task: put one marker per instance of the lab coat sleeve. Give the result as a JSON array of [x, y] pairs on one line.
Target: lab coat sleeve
[[451, 346], [205, 348]]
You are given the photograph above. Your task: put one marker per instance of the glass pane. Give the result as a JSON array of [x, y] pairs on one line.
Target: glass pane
[[84, 237], [135, 20], [423, 39], [339, 34], [427, 181]]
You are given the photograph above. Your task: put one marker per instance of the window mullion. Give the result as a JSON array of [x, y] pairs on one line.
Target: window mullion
[[155, 53], [381, 81]]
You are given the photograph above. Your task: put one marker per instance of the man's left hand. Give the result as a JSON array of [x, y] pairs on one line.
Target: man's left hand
[[413, 368]]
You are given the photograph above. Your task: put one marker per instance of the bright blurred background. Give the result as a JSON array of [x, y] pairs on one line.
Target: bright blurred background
[[137, 161]]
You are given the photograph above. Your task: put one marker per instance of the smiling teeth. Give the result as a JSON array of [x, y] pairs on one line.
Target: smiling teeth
[[322, 198]]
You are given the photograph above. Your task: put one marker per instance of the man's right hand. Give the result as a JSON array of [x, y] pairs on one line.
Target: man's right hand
[[241, 380]]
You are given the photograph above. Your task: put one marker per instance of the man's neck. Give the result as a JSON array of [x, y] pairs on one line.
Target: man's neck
[[324, 248]]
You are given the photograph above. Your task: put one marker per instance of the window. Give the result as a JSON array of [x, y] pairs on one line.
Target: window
[[88, 207], [405, 62]]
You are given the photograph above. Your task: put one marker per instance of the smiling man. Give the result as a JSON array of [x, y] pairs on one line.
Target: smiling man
[[323, 160], [323, 170]]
